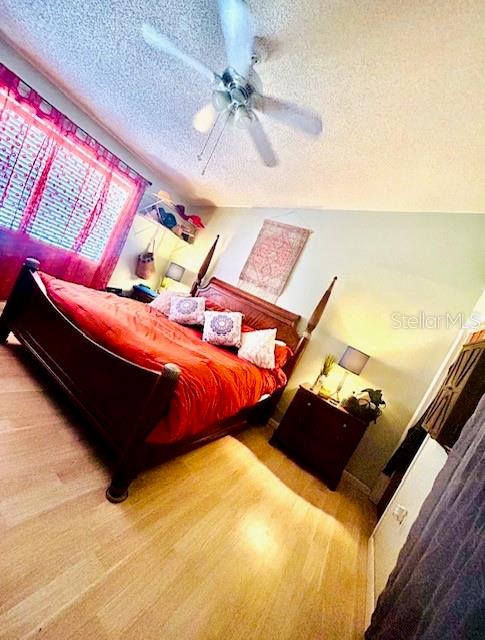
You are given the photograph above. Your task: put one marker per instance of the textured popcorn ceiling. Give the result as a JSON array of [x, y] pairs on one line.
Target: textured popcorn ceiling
[[400, 86]]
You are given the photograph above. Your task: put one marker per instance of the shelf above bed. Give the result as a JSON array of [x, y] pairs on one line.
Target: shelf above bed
[[184, 230]]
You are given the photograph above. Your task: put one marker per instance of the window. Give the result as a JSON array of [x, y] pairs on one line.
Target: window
[[64, 198], [52, 188]]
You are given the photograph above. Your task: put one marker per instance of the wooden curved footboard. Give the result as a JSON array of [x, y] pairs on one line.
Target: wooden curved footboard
[[122, 400]]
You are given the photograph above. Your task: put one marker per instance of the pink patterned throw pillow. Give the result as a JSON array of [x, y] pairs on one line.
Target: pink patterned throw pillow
[[222, 328], [186, 310], [258, 347], [162, 301]]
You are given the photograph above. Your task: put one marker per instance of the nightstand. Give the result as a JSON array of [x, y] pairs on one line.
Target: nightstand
[[319, 435]]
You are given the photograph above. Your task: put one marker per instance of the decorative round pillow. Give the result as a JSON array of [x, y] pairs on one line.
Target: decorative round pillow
[[186, 310], [222, 328]]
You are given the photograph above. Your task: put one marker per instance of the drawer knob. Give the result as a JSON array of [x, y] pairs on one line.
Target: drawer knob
[[308, 404], [344, 426]]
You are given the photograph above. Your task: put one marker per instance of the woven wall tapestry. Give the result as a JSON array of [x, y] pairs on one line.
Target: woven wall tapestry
[[272, 259]]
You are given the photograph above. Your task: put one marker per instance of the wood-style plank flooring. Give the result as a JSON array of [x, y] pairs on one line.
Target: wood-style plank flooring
[[230, 541]]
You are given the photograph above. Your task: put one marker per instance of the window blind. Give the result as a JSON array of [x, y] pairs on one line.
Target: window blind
[[80, 200]]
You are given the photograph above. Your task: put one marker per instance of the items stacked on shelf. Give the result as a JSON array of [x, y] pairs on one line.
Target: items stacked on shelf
[[173, 217]]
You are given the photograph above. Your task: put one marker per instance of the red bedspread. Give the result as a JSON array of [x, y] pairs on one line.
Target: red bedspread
[[214, 383]]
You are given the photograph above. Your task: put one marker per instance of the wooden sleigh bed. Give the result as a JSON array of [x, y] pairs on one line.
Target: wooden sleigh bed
[[99, 381]]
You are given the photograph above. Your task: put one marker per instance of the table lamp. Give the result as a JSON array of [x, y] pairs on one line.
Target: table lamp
[[175, 272], [353, 361], [171, 281]]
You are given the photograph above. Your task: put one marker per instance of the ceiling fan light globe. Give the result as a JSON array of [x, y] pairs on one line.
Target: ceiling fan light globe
[[221, 100], [242, 118], [204, 118]]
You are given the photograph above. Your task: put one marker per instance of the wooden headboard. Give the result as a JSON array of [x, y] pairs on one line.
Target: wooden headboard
[[257, 312]]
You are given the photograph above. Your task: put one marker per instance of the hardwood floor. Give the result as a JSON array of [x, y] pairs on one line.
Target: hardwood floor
[[230, 541]]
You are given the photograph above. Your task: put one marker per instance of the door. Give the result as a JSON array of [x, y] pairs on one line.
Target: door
[[458, 395]]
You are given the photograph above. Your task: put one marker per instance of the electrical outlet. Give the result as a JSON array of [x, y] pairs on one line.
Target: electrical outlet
[[400, 513]]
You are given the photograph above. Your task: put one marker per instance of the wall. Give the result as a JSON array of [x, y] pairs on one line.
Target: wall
[[386, 262], [478, 312], [168, 248]]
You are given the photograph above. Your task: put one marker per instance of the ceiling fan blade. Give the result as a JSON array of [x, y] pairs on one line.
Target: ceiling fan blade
[[262, 143], [205, 117], [291, 115], [237, 26], [158, 41]]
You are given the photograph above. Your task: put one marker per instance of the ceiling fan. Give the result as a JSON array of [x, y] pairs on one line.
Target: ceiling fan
[[237, 91]]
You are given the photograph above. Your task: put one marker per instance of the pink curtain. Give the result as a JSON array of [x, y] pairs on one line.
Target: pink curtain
[[94, 216], [25, 94], [39, 188], [15, 243]]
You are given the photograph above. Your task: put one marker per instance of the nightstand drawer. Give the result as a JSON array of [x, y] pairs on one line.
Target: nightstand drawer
[[296, 418], [301, 406], [343, 434], [326, 424]]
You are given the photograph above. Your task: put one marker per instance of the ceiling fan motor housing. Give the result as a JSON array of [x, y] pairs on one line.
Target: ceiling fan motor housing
[[237, 87]]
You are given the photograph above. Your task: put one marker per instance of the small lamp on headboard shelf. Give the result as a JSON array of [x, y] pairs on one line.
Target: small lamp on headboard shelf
[[175, 271], [353, 361], [173, 276]]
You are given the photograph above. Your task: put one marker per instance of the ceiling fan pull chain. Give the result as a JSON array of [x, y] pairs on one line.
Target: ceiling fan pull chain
[[208, 137], [228, 113]]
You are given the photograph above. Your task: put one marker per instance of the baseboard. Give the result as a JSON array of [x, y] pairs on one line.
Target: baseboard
[[358, 484], [379, 488], [370, 592]]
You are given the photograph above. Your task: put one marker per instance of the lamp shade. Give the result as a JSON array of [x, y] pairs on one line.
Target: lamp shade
[[175, 272], [353, 360]]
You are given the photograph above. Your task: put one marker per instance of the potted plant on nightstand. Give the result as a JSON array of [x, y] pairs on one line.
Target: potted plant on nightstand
[[319, 385]]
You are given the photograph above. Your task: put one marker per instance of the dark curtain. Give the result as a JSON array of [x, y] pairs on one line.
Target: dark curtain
[[437, 589]]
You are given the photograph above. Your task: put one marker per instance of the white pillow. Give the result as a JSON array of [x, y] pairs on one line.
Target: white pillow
[[258, 347]]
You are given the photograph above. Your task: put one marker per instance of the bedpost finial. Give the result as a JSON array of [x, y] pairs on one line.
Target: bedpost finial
[[32, 263], [320, 308], [204, 267], [171, 371]]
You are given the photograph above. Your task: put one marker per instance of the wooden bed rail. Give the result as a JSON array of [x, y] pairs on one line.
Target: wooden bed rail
[[203, 268], [130, 462]]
